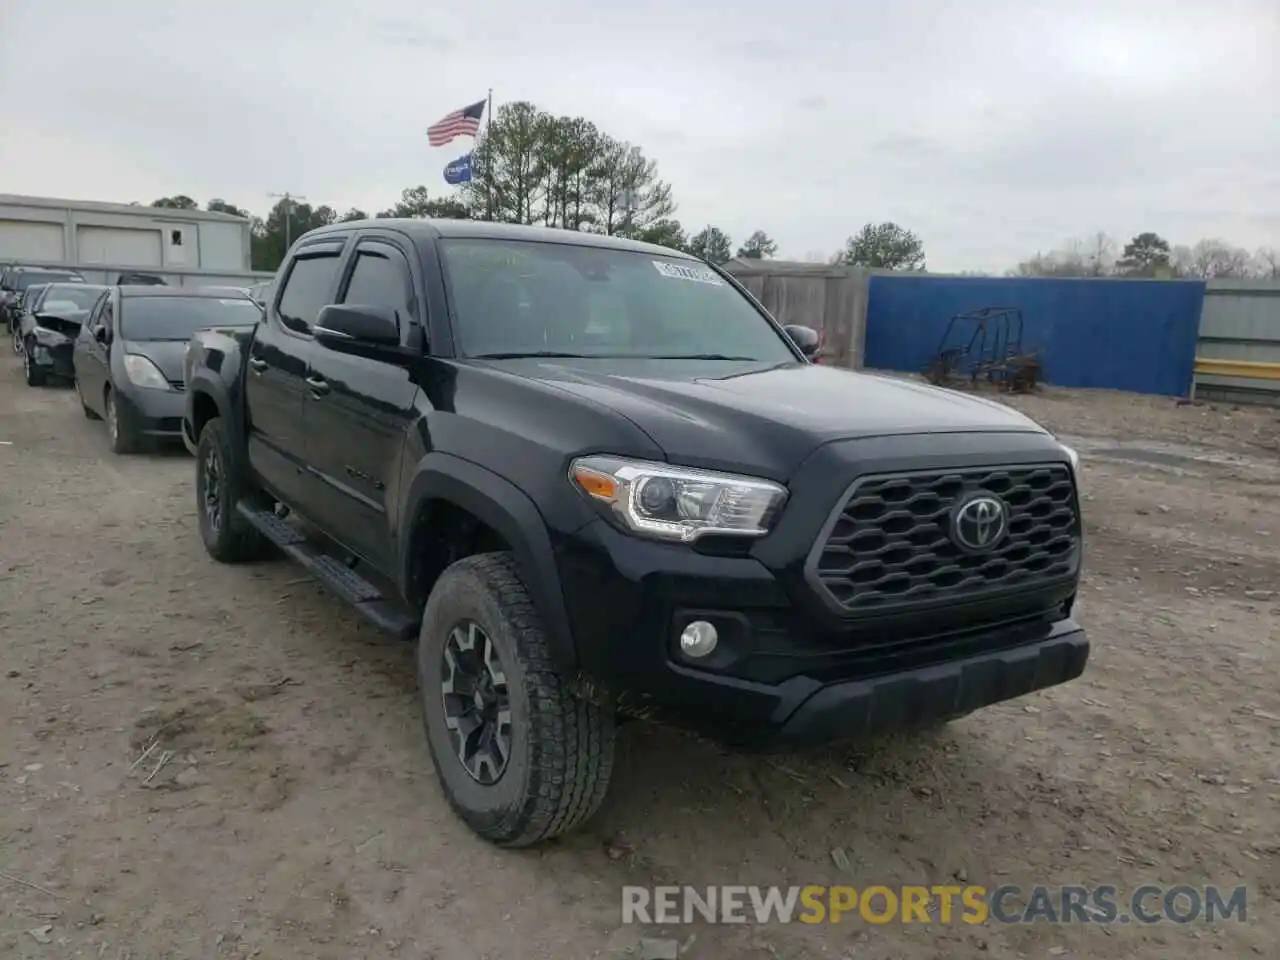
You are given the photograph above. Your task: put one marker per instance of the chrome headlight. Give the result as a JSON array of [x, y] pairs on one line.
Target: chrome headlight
[[679, 503], [142, 372]]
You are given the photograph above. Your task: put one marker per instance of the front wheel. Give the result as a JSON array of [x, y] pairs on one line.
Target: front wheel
[[123, 439], [31, 372], [520, 758], [228, 537]]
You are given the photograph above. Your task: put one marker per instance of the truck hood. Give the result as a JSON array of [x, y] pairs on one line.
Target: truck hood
[[735, 415]]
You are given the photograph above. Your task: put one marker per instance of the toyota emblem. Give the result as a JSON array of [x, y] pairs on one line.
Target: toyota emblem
[[979, 523]]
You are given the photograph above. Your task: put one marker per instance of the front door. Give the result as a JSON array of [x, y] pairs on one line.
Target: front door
[[359, 410], [275, 385], [91, 354]]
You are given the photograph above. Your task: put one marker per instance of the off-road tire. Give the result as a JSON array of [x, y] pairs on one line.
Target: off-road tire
[[121, 436], [562, 747], [88, 412], [232, 539], [34, 376]]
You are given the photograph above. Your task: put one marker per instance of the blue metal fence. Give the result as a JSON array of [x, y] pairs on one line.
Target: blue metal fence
[[1137, 335]]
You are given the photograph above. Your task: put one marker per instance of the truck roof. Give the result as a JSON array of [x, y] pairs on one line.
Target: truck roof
[[424, 229]]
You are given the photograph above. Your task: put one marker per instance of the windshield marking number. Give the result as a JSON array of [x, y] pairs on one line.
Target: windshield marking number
[[677, 271]]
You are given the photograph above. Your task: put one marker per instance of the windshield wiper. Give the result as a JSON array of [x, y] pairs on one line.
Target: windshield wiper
[[532, 353]]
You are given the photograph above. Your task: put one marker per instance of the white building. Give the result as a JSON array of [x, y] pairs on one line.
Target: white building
[[105, 240]]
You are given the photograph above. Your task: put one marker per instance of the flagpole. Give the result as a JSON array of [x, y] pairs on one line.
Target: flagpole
[[488, 169]]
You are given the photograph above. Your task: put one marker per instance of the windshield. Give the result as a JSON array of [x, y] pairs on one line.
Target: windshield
[[33, 295], [78, 297], [28, 278], [177, 318], [520, 298]]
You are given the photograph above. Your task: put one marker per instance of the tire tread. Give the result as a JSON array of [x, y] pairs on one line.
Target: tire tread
[[572, 741]]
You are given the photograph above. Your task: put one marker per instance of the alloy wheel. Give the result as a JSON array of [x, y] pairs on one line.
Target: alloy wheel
[[113, 424], [211, 495], [477, 703]]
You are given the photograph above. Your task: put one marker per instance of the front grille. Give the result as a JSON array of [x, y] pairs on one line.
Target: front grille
[[889, 545]]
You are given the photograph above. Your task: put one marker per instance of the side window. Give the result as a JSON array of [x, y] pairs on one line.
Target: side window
[[91, 318], [381, 278], [107, 318], [306, 289]]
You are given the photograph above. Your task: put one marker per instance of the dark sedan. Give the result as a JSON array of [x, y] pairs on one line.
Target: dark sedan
[[128, 356], [15, 281], [48, 328]]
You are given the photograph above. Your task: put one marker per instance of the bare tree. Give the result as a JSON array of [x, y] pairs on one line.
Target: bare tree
[[1213, 258], [1266, 263], [1100, 255]]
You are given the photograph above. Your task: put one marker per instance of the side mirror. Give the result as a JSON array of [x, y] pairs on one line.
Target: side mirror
[[347, 327], [806, 338], [102, 335]]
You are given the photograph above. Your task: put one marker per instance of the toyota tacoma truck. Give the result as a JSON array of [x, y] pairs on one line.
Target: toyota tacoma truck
[[595, 480]]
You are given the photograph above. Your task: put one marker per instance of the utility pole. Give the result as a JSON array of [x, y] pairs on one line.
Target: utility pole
[[289, 200]]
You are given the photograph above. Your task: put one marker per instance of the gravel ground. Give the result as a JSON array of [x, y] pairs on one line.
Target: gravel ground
[[296, 815]]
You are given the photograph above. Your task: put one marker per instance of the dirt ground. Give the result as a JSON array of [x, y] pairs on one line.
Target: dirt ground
[[296, 815]]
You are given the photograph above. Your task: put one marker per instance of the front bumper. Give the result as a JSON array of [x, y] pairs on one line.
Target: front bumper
[[152, 413], [865, 708], [782, 676], [55, 361]]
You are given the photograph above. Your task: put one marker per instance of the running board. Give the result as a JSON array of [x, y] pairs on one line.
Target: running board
[[334, 575]]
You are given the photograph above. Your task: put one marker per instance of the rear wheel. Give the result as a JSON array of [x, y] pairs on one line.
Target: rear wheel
[[35, 377], [123, 439], [520, 757], [228, 537]]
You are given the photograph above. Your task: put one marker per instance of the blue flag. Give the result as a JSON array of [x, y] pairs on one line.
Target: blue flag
[[458, 171]]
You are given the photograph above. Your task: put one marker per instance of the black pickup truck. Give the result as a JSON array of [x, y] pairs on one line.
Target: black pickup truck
[[596, 480]]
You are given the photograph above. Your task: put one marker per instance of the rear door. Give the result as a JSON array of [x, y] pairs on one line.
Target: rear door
[[275, 383], [358, 409]]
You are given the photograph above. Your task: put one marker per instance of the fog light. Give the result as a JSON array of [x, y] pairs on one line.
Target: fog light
[[698, 639]]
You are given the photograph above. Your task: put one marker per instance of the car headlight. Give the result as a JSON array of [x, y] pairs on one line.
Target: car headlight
[[143, 373], [679, 503]]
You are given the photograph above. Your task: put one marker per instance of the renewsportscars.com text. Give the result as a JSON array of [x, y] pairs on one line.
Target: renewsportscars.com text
[[938, 904]]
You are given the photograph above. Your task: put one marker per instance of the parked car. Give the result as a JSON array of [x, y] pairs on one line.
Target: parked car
[[30, 299], [15, 281], [227, 291], [678, 517], [49, 326], [128, 357]]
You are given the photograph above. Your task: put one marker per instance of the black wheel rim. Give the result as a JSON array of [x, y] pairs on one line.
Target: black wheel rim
[[477, 705], [211, 495]]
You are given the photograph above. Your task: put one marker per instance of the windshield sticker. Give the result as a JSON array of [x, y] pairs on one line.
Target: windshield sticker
[[678, 271]]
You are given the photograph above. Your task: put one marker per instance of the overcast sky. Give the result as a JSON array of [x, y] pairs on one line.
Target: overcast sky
[[993, 128]]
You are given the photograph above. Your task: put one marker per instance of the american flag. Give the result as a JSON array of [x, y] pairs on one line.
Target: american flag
[[460, 123]]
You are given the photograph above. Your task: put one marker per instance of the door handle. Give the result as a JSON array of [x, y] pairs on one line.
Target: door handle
[[319, 386], [257, 364]]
